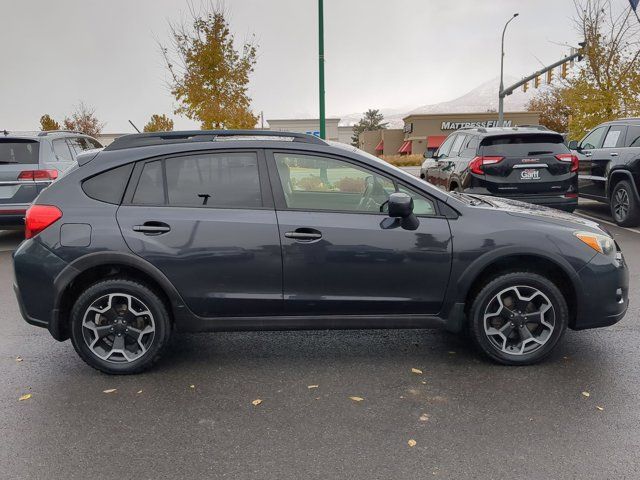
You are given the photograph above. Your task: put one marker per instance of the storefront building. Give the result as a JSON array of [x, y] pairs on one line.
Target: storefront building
[[426, 132]]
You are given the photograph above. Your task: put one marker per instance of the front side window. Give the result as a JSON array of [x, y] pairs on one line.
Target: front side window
[[445, 148], [594, 139], [457, 146], [614, 137], [61, 149], [321, 183]]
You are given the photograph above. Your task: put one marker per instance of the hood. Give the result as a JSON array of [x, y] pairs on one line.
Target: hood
[[538, 212]]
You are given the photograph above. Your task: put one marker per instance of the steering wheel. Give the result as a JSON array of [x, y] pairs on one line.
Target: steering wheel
[[372, 189]]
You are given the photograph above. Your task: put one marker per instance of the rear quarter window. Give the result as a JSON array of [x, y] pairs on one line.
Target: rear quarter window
[[108, 186], [523, 145], [16, 150]]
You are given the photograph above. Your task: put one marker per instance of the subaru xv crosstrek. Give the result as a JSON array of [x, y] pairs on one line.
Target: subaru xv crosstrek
[[527, 163], [250, 230], [29, 162]]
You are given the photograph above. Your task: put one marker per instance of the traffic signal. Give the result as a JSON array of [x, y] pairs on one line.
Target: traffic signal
[[564, 70], [525, 86], [581, 50], [536, 82], [549, 76]]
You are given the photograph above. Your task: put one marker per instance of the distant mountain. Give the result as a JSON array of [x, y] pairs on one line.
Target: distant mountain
[[481, 99]]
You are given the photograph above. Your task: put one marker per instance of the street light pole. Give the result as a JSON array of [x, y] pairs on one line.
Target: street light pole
[[323, 133], [500, 95]]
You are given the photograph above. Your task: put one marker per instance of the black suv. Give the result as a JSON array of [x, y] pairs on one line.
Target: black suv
[[237, 230], [531, 164], [609, 158]]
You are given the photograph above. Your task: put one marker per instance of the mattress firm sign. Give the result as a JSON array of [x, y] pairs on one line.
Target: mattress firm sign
[[471, 124]]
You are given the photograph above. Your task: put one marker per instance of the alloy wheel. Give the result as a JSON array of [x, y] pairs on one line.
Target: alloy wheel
[[118, 328], [621, 204], [519, 320]]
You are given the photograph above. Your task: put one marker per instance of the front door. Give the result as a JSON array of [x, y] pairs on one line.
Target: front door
[[593, 159], [337, 256], [207, 222]]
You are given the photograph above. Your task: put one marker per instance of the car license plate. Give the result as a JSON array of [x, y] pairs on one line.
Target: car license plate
[[530, 174]]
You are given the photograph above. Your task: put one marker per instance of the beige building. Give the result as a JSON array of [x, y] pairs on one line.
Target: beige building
[[426, 132]]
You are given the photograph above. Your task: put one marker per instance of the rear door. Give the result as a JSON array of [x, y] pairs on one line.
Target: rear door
[[592, 178], [436, 174], [207, 221], [527, 164], [18, 155]]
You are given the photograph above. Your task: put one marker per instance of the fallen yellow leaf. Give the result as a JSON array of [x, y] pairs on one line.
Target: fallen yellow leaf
[[26, 396], [586, 394], [139, 391], [599, 407], [18, 359], [416, 371], [312, 386], [451, 352], [424, 417], [256, 402], [412, 443], [192, 386], [109, 390], [357, 399], [423, 382]]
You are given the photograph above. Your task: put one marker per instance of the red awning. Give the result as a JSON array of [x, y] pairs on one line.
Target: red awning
[[380, 146], [406, 147], [434, 141]]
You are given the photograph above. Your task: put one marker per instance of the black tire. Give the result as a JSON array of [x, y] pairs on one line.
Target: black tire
[[624, 205], [487, 293], [139, 291]]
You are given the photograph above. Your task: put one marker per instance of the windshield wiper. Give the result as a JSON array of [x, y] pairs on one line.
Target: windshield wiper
[[471, 199]]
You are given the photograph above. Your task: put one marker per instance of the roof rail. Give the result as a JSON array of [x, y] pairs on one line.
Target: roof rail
[[44, 133], [480, 129], [539, 127], [164, 138]]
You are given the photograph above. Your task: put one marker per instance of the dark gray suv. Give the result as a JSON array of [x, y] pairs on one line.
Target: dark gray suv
[[243, 230], [29, 162]]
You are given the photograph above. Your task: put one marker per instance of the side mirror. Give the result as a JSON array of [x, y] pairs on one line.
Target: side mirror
[[401, 210], [435, 155], [573, 145]]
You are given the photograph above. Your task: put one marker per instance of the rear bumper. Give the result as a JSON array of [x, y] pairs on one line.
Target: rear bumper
[[604, 297], [555, 201], [13, 215]]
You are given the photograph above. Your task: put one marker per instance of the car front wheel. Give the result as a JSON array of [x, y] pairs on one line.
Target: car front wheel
[[518, 318], [119, 326], [624, 205]]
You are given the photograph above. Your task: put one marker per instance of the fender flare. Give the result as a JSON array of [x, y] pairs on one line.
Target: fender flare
[[624, 173]]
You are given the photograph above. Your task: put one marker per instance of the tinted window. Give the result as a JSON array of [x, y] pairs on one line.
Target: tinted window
[[108, 186], [594, 139], [444, 149], [457, 145], [421, 205], [321, 183], [523, 145], [18, 151], [61, 149], [214, 180], [94, 143], [614, 137], [80, 144], [473, 144], [633, 136], [150, 189]]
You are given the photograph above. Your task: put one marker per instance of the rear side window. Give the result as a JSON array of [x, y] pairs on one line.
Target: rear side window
[[61, 149], [150, 189], [214, 180], [108, 186], [19, 151], [523, 145], [633, 136]]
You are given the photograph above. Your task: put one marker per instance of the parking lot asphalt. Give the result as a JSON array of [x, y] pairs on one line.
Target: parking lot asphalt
[[192, 416]]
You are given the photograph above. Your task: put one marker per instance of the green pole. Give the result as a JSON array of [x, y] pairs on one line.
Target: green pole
[[323, 132]]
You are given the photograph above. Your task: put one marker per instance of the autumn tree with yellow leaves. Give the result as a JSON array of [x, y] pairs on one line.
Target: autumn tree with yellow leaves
[[209, 77], [606, 85], [159, 123]]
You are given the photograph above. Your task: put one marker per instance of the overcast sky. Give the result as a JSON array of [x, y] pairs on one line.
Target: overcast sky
[[379, 54]]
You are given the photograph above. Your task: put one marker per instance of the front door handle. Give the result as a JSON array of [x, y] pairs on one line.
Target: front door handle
[[304, 234], [586, 154], [614, 154], [152, 228]]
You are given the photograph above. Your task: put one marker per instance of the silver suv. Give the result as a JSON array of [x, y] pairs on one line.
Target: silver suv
[[29, 162]]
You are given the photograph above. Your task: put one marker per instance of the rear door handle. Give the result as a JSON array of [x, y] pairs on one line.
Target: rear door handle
[[586, 154], [614, 154], [304, 234], [152, 228]]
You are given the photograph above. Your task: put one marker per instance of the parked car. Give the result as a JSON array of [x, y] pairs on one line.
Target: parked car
[[531, 164], [609, 157], [237, 230], [29, 162]]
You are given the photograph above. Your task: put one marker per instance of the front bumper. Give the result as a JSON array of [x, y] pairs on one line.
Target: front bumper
[[604, 296]]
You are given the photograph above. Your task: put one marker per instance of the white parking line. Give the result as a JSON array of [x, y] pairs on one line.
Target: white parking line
[[593, 217]]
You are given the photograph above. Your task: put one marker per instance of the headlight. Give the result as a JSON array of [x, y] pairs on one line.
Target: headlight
[[600, 243]]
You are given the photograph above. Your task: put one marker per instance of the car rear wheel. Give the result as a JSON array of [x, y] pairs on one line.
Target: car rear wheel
[[518, 318], [624, 205], [119, 326]]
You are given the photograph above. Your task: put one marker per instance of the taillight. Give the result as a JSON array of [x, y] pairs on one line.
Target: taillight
[[38, 175], [477, 163], [39, 217], [569, 158]]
